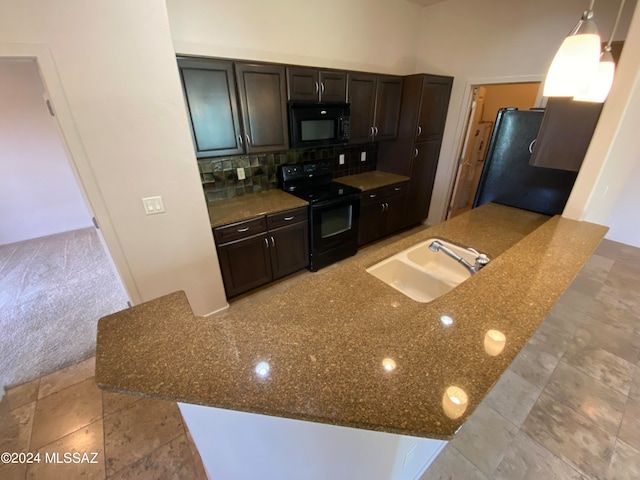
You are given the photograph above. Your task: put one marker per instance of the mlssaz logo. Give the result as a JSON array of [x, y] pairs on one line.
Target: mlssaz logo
[[71, 457]]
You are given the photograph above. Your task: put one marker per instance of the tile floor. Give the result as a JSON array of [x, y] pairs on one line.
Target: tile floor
[[567, 408], [66, 412]]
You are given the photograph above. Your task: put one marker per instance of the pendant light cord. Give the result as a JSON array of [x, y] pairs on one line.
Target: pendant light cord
[[615, 26], [593, 2]]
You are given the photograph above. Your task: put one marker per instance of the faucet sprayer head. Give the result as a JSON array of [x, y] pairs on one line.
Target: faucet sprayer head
[[435, 246]]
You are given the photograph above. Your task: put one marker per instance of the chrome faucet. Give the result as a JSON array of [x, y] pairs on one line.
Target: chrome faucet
[[481, 258]]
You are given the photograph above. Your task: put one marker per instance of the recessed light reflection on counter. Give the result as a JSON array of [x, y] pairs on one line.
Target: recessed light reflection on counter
[[389, 364], [494, 342], [262, 369], [454, 402], [446, 320]]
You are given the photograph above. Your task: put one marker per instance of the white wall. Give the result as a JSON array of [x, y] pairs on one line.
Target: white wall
[[514, 41], [623, 223], [124, 122], [246, 445], [38, 193], [369, 35], [604, 192]]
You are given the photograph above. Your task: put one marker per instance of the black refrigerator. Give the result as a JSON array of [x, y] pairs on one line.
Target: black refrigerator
[[508, 178]]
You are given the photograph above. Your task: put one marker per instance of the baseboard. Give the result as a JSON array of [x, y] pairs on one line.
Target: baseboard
[[216, 311]]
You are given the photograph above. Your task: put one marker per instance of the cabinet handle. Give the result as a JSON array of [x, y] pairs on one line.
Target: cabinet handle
[[415, 153], [240, 139], [321, 87], [533, 142], [397, 189], [240, 230], [373, 195], [371, 131], [375, 131], [288, 219], [248, 139], [419, 130], [386, 207], [273, 242], [266, 242], [317, 87], [382, 205]]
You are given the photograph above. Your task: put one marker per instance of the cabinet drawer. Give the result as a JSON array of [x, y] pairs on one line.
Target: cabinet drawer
[[394, 189], [236, 231], [287, 217], [372, 196]]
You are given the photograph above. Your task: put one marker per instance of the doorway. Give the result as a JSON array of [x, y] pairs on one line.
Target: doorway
[[487, 99], [56, 277]]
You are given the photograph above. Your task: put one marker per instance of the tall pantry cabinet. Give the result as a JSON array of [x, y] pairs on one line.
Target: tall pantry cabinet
[[415, 152]]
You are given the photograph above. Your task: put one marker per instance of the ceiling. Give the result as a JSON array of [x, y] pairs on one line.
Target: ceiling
[[424, 3]]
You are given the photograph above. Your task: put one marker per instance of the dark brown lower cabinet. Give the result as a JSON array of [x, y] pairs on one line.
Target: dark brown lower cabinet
[[271, 248], [381, 212], [289, 249], [245, 264]]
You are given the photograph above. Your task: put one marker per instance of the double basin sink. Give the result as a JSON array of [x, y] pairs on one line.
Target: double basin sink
[[424, 272]]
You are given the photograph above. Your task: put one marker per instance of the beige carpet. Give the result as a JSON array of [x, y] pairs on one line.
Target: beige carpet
[[53, 290]]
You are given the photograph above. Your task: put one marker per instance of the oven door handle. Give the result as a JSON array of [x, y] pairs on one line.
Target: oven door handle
[[347, 199]]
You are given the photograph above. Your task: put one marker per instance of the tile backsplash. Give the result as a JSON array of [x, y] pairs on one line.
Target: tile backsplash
[[220, 175]]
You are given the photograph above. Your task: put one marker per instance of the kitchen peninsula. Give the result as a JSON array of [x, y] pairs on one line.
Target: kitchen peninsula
[[342, 348]]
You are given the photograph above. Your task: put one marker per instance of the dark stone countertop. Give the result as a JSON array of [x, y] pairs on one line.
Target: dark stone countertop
[[237, 209], [371, 180], [325, 338]]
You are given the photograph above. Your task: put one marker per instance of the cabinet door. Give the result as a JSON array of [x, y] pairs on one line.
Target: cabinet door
[[362, 97], [433, 108], [262, 90], [303, 84], [371, 219], [395, 212], [333, 86], [565, 133], [387, 114], [210, 95], [289, 249], [423, 174], [245, 264]]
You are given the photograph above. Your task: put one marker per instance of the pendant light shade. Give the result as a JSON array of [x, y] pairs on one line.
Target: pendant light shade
[[601, 83], [576, 62]]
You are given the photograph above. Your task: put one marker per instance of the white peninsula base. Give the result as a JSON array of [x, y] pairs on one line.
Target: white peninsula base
[[238, 445]]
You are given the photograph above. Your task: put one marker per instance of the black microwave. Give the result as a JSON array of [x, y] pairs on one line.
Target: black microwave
[[318, 124]]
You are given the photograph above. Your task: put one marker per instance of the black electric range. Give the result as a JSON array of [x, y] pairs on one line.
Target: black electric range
[[334, 210]]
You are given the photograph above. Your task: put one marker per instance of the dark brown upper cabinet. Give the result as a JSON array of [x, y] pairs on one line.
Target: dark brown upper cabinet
[[375, 106], [314, 85], [433, 108], [565, 133], [263, 103], [210, 94]]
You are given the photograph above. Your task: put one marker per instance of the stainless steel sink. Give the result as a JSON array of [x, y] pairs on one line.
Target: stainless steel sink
[[423, 274]]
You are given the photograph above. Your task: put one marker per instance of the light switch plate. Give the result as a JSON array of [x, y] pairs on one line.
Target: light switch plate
[[363, 156], [241, 175], [341, 159], [153, 205]]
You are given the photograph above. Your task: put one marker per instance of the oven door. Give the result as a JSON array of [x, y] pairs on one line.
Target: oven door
[[334, 230]]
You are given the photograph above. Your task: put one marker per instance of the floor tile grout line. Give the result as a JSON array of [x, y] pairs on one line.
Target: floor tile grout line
[[141, 458]]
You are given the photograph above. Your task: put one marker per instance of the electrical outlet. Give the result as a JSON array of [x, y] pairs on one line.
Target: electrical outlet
[[153, 205], [363, 156], [341, 159], [240, 171]]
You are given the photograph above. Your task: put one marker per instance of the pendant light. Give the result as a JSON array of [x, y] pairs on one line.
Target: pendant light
[[601, 82], [576, 62]]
